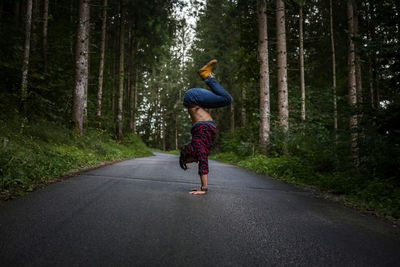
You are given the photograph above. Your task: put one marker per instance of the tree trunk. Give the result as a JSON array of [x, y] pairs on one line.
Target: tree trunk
[[163, 131], [352, 90], [44, 33], [232, 118], [375, 78], [216, 118], [135, 100], [17, 12], [335, 120], [135, 76], [283, 103], [25, 65], [264, 74], [1, 9], [121, 71], [176, 131], [302, 83], [371, 82], [357, 60], [243, 111], [81, 66], [101, 63]]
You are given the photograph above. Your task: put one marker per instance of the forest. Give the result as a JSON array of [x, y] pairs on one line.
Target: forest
[[315, 85]]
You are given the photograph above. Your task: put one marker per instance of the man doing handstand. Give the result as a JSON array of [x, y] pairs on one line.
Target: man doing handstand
[[203, 129]]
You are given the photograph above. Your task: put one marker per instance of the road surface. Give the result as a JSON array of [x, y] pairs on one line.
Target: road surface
[[139, 213]]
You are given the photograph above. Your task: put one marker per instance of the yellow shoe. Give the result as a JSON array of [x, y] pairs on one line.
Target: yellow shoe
[[206, 69]]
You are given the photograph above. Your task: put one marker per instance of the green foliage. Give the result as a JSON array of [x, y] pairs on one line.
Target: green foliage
[[383, 197], [46, 150]]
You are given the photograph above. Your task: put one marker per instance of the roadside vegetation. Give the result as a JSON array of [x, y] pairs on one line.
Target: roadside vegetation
[[310, 159], [45, 151]]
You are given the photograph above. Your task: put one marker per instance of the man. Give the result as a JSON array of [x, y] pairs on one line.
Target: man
[[203, 129]]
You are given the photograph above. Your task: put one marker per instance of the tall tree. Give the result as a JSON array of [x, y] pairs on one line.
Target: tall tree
[[335, 119], [121, 70], [357, 57], [101, 63], [352, 90], [232, 117], [44, 33], [282, 82], [133, 87], [264, 74], [301, 58], [243, 108], [81, 66], [27, 46]]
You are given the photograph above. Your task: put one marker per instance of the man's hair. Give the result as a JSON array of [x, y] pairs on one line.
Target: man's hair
[[183, 157]]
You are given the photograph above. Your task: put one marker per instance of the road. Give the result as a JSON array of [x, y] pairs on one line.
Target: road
[[139, 213]]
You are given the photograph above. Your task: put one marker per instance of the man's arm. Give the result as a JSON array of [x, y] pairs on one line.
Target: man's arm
[[199, 191]]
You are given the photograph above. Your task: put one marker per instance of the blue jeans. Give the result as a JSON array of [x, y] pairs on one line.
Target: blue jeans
[[216, 98]]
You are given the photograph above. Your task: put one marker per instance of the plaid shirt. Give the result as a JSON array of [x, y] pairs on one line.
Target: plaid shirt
[[203, 137]]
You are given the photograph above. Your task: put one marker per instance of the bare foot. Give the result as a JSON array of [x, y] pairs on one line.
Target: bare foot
[[198, 192], [196, 189]]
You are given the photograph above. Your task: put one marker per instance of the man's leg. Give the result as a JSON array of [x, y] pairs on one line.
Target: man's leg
[[225, 98], [219, 97]]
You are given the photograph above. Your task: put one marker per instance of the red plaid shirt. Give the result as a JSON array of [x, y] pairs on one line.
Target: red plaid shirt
[[203, 137]]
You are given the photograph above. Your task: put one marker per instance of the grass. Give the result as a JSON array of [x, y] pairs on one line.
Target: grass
[[376, 196], [45, 151]]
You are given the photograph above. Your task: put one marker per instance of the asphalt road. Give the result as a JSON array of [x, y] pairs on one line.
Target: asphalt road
[[139, 213]]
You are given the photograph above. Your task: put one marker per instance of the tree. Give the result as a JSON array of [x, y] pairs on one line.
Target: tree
[[81, 66], [282, 82], [101, 63], [121, 71], [133, 86], [301, 58], [264, 74], [335, 119], [352, 90], [44, 33], [357, 58], [25, 65]]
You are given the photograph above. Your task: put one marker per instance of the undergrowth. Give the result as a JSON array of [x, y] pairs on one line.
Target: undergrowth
[[46, 150], [381, 197]]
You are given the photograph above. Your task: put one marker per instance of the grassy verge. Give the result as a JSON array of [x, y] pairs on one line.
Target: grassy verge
[[45, 151], [379, 197]]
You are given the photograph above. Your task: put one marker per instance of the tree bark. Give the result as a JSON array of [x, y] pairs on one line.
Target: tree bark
[[163, 130], [25, 65], [302, 82], [16, 12], [81, 66], [44, 33], [133, 103], [357, 60], [101, 63], [121, 71], [176, 131], [243, 111], [352, 90], [216, 118], [283, 101], [1, 9], [264, 74], [335, 120], [232, 118]]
